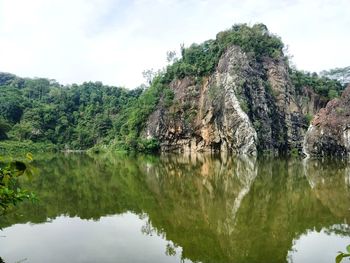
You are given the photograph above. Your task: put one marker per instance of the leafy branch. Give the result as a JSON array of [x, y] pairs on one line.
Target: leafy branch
[[343, 255], [10, 191]]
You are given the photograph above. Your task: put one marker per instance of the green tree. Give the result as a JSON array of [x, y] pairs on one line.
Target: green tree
[[4, 128], [340, 74], [10, 192]]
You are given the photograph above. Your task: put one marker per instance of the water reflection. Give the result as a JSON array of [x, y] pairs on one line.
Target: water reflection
[[74, 240], [205, 208], [314, 243]]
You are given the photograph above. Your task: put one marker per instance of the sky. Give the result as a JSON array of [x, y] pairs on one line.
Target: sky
[[114, 41]]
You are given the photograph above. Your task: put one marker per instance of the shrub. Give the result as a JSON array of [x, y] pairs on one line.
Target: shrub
[[10, 191]]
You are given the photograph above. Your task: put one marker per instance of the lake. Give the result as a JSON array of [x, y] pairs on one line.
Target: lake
[[180, 208]]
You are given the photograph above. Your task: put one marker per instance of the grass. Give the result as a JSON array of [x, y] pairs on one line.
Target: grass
[[17, 148]]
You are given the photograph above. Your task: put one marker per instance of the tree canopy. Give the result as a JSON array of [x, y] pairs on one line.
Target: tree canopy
[[202, 59], [340, 74]]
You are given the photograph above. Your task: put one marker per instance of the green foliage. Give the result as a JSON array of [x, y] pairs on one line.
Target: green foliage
[[73, 117], [11, 103], [4, 128], [294, 152], [343, 255], [148, 145], [257, 125], [244, 105], [269, 89], [202, 59], [323, 86], [132, 120], [308, 118], [340, 74], [213, 92], [10, 192], [340, 110], [333, 94], [17, 148], [168, 97], [256, 39]]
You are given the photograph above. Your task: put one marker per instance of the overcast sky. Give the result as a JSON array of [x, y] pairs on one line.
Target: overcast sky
[[113, 41]]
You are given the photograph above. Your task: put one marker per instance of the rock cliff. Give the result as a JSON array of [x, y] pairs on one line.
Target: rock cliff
[[329, 132], [311, 102], [245, 106]]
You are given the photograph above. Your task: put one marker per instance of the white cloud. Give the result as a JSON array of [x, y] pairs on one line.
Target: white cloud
[[114, 41]]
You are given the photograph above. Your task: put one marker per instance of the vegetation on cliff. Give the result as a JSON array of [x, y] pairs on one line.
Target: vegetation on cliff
[[324, 86], [201, 60], [329, 134], [82, 116]]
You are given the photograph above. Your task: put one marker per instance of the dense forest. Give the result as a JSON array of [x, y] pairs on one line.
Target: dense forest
[[81, 116]]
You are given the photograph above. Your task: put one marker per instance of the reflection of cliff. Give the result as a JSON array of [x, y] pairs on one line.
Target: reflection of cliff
[[218, 209], [202, 216], [330, 182], [198, 198], [220, 183]]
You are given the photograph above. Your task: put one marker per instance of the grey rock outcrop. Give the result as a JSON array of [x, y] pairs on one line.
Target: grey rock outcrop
[[329, 132], [245, 106], [311, 102]]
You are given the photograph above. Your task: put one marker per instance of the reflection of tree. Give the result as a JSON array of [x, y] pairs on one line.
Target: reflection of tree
[[170, 249], [80, 186], [218, 209], [147, 229], [339, 229]]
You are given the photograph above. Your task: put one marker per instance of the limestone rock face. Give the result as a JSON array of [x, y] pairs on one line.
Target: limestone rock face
[[329, 132], [311, 102], [245, 106]]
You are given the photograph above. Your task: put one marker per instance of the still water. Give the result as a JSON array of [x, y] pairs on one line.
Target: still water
[[175, 208]]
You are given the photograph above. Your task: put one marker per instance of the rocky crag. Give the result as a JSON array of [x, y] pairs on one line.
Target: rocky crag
[[250, 101], [245, 106], [329, 132]]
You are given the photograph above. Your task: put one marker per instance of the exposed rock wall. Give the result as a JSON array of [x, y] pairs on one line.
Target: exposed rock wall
[[329, 132], [245, 106], [311, 102]]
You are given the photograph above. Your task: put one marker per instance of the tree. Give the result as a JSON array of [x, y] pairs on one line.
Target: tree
[[148, 75], [340, 74], [11, 108], [10, 191], [171, 56], [4, 128]]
